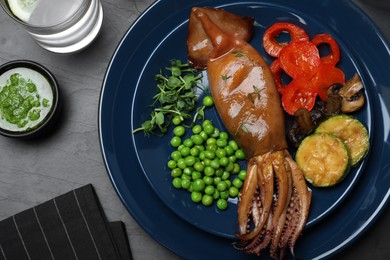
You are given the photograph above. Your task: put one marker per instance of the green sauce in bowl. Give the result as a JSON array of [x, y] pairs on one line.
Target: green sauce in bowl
[[26, 98], [29, 99]]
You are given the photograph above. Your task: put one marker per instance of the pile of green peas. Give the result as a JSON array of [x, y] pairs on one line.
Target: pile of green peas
[[206, 164]]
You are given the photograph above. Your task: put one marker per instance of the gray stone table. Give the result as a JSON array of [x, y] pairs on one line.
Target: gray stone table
[[35, 171]]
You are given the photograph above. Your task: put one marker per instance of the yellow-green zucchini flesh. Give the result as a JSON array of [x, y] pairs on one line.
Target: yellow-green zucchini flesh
[[351, 131], [323, 158]]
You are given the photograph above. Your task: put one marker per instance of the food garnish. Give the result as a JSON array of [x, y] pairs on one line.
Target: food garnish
[[175, 100]]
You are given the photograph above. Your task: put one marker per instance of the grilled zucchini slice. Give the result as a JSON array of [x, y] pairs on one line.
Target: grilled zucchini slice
[[323, 159], [351, 131]]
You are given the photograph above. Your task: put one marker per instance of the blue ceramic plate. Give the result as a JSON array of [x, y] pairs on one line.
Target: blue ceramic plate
[[169, 41], [136, 164]]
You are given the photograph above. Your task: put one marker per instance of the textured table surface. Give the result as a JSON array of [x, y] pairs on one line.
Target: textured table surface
[[32, 172]]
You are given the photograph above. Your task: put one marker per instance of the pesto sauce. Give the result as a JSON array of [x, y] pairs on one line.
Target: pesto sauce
[[26, 98]]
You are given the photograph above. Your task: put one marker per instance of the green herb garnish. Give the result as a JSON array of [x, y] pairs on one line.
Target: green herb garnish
[[238, 53], [225, 77], [176, 97]]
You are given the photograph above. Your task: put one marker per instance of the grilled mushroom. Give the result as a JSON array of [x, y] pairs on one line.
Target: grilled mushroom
[[351, 93]]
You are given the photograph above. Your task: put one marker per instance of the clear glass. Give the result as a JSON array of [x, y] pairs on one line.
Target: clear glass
[[61, 26]]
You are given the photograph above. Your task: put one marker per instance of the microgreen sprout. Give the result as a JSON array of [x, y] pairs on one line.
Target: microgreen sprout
[[176, 97]]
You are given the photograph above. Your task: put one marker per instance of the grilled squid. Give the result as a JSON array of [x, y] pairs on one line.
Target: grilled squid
[[275, 200]]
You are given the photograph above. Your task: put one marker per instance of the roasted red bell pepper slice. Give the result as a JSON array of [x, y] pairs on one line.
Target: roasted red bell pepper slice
[[326, 76], [300, 59], [334, 55], [298, 95], [272, 46], [277, 75]]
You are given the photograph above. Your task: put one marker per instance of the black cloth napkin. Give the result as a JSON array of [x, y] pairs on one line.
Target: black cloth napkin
[[70, 226]]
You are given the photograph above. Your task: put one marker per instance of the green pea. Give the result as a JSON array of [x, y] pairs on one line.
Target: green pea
[[200, 147], [176, 120], [186, 177], [209, 190], [172, 164], [215, 164], [177, 172], [219, 172], [211, 140], [206, 162], [224, 135], [179, 130], [216, 132], [224, 194], [206, 122], [177, 183], [217, 180], [224, 161], [202, 155], [198, 166], [185, 184], [236, 168], [196, 129], [208, 180], [196, 175], [221, 142], [196, 196], [194, 151], [237, 183], [188, 142], [209, 129], [222, 186], [209, 171], [229, 167], [197, 139], [232, 158], [175, 141], [233, 144], [187, 171], [198, 185], [222, 204], [208, 101], [190, 160], [240, 154], [220, 153], [212, 147], [216, 194], [225, 175], [181, 163], [203, 135], [207, 200], [185, 151], [233, 192], [229, 150], [241, 175], [181, 146], [209, 154]]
